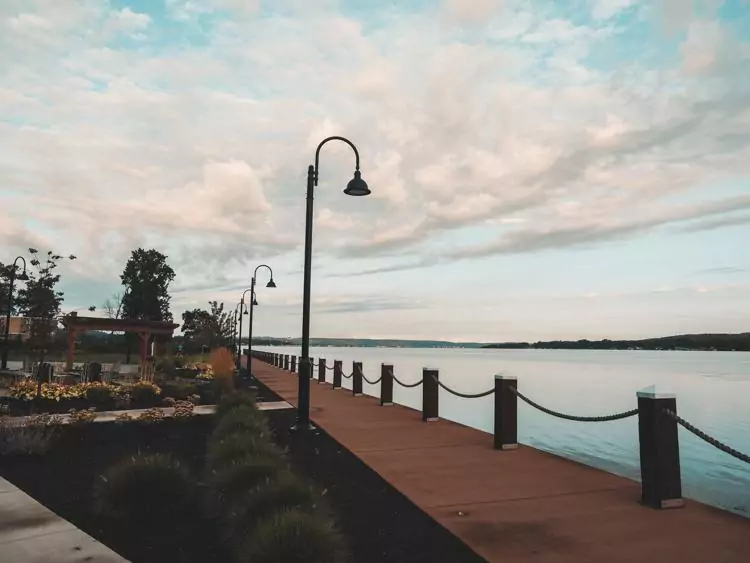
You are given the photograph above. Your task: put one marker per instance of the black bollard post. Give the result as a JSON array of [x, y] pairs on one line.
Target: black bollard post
[[337, 374], [312, 368], [506, 413], [286, 362], [294, 364], [322, 370], [357, 378], [661, 485], [386, 385], [430, 395]]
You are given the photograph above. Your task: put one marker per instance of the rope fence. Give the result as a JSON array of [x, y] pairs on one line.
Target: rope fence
[[706, 438], [658, 422], [605, 418]]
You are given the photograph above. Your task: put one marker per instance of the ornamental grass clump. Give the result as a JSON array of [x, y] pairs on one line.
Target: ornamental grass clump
[[242, 419], [228, 449], [235, 400], [266, 512], [222, 364], [233, 479], [152, 492], [284, 492], [32, 436], [292, 536]]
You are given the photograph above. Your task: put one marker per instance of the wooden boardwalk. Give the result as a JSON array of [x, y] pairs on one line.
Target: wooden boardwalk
[[515, 506]]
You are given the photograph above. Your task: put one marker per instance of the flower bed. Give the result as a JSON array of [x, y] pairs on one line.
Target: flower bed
[[59, 398]]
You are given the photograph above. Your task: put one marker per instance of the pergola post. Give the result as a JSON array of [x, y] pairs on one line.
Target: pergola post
[[145, 338], [71, 349]]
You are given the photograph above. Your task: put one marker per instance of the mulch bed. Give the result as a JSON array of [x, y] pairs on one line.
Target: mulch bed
[[380, 524]]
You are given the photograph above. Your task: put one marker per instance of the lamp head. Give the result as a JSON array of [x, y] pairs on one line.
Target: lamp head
[[271, 283], [23, 276], [255, 302], [357, 186]]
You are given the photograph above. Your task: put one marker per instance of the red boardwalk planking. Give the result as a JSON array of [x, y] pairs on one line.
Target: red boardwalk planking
[[516, 506]]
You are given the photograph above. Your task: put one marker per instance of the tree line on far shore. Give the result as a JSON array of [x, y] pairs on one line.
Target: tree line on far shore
[[712, 342]]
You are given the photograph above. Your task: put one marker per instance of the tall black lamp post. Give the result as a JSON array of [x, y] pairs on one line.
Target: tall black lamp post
[[11, 281], [356, 187], [253, 303]]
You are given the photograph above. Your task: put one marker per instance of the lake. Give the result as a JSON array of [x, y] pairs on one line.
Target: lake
[[712, 389]]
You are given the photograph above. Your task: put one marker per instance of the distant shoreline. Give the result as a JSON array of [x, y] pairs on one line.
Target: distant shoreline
[[685, 342]]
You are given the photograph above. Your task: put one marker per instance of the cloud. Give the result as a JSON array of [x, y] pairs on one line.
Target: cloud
[[605, 9], [474, 12], [127, 22], [195, 139]]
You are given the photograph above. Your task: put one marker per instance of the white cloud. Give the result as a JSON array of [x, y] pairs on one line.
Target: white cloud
[[127, 22], [605, 9]]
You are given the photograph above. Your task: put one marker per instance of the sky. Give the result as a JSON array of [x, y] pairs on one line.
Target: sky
[[539, 169]]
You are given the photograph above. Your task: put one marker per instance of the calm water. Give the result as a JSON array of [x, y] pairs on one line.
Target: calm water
[[712, 388]]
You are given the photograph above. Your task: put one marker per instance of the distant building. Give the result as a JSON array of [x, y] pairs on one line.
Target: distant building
[[19, 327]]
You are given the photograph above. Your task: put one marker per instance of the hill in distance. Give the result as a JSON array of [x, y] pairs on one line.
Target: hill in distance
[[713, 342]]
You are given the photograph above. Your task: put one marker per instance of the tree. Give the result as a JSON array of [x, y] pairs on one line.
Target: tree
[[112, 307], [211, 328], [39, 300], [146, 279], [5, 270]]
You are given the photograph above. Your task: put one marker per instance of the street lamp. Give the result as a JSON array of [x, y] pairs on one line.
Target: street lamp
[[240, 307], [356, 187], [11, 281], [253, 303]]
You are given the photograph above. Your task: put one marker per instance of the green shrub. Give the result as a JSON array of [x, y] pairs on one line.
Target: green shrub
[[244, 474], [292, 536], [147, 492], [144, 393], [223, 450], [179, 390], [286, 492], [235, 400], [100, 396], [242, 419]]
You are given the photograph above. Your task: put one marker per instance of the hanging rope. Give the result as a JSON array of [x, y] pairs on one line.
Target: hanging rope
[[709, 439], [463, 395], [606, 418], [407, 385]]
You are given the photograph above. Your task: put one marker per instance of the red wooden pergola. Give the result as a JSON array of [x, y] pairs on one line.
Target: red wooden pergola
[[161, 331]]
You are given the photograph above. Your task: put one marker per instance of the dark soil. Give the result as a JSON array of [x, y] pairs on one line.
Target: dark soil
[[380, 523]]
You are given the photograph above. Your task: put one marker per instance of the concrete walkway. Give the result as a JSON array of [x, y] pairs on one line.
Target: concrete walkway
[[31, 533], [515, 506]]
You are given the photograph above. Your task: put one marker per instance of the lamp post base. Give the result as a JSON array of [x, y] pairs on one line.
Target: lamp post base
[[302, 427]]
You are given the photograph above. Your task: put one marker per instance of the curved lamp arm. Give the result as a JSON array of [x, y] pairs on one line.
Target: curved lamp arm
[[334, 138], [270, 271], [15, 264]]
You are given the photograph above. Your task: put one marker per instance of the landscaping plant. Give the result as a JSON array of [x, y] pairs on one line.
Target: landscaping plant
[[222, 363], [30, 436], [152, 492], [292, 536], [83, 416], [268, 514]]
